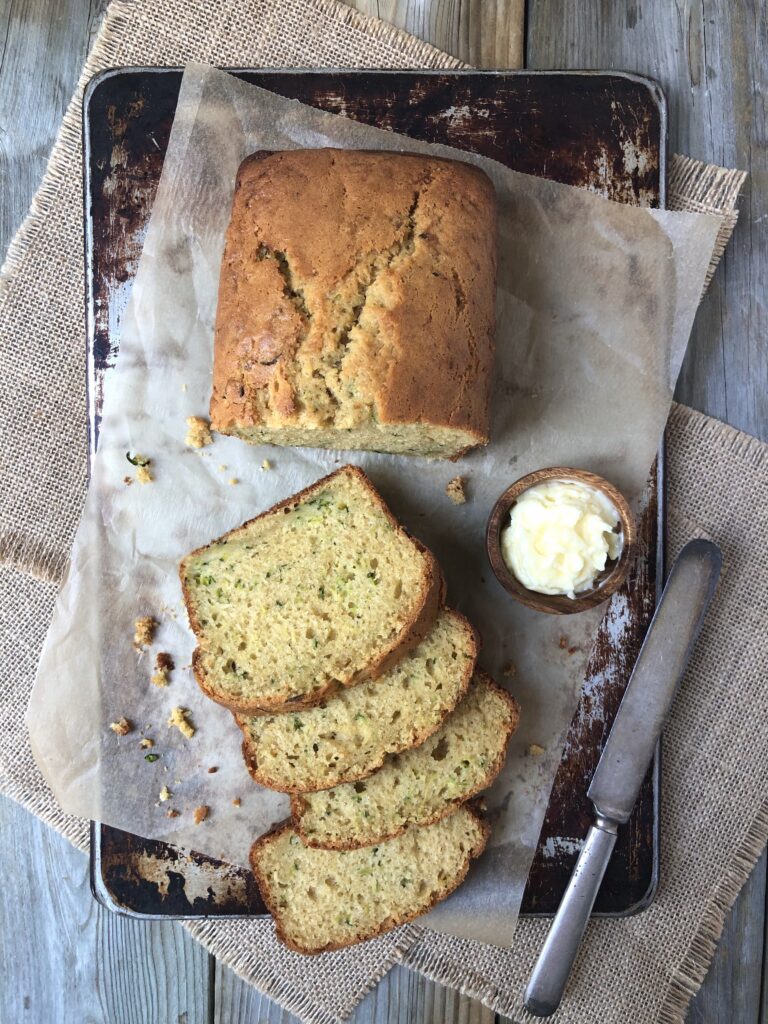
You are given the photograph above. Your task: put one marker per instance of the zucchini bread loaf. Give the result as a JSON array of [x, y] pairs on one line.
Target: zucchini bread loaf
[[420, 785], [327, 899], [318, 593], [357, 303]]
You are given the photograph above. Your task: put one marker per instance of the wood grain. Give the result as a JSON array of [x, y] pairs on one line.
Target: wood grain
[[711, 58], [401, 997], [484, 33], [736, 978]]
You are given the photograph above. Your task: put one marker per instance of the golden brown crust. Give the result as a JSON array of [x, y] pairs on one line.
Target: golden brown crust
[[410, 635], [428, 242], [251, 761], [297, 804], [390, 923]]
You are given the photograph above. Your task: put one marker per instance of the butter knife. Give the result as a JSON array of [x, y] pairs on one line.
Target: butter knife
[[625, 759]]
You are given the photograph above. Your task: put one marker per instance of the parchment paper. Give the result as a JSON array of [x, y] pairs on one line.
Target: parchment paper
[[595, 305]]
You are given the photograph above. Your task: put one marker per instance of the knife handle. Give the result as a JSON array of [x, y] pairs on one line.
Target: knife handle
[[549, 977]]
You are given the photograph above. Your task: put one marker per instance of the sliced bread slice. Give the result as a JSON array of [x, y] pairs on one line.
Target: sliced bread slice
[[348, 736], [327, 899], [418, 786], [320, 592]]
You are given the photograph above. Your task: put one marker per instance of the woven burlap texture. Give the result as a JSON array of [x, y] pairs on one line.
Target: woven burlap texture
[[654, 961]]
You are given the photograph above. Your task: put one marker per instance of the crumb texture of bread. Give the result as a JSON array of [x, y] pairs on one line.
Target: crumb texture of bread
[[349, 735], [420, 785], [351, 322], [456, 490], [198, 432], [144, 631], [316, 594], [164, 665], [327, 899], [179, 719]]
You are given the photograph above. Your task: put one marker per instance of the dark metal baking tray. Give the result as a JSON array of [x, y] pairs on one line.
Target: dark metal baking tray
[[599, 130]]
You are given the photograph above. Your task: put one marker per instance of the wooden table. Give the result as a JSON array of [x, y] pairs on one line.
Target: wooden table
[[63, 960]]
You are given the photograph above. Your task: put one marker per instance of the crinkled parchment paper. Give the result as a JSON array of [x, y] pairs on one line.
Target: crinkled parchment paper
[[595, 304]]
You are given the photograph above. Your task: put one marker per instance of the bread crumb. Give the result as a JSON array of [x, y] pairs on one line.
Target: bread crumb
[[170, 813], [165, 794], [211, 771], [198, 432], [455, 490], [184, 387], [222, 468], [163, 668], [146, 743], [122, 726], [234, 480], [144, 631], [142, 464], [509, 670], [535, 750], [236, 802], [180, 719], [201, 813], [128, 480], [266, 464]]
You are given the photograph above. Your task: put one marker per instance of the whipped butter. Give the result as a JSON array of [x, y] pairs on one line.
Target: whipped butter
[[559, 537]]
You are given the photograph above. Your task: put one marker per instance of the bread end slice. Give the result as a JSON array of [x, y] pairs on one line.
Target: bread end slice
[[322, 900]]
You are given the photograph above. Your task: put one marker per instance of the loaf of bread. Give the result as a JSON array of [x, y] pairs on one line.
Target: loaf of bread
[[420, 785], [348, 736], [356, 303], [320, 592], [327, 899]]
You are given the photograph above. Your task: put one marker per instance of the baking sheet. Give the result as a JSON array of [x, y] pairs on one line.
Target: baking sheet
[[592, 324]]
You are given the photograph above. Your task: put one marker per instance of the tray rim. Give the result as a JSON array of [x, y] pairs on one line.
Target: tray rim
[[98, 888]]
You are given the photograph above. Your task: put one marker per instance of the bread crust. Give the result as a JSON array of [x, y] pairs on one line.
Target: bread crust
[[278, 273], [391, 922], [430, 594], [264, 779], [449, 808]]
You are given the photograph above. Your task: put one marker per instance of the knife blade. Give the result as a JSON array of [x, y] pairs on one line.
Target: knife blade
[[626, 756]]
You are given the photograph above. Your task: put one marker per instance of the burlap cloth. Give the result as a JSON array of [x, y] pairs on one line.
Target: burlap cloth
[[714, 812]]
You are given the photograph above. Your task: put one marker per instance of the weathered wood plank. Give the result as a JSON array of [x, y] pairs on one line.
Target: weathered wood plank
[[402, 997], [485, 33], [65, 959], [732, 988], [42, 49], [711, 59]]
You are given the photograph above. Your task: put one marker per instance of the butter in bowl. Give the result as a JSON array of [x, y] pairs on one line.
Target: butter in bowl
[[561, 540]]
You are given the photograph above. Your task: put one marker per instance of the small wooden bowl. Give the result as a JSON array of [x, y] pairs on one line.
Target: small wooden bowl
[[608, 581]]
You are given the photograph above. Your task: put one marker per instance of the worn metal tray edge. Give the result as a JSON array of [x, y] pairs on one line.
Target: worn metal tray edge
[[98, 889]]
